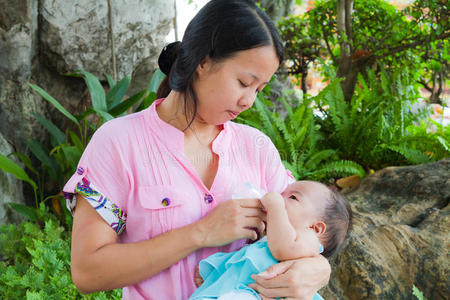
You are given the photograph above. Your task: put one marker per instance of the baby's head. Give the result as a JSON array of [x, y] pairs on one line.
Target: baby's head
[[313, 205]]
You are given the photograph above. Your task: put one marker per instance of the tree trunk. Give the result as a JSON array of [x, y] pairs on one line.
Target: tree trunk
[[436, 90], [346, 68], [304, 83]]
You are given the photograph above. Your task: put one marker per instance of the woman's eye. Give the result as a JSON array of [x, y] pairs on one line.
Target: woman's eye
[[243, 84], [293, 197]]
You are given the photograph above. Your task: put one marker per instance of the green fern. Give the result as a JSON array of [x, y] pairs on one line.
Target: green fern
[[416, 292], [375, 128], [35, 262], [316, 158], [339, 169], [266, 117], [296, 135]]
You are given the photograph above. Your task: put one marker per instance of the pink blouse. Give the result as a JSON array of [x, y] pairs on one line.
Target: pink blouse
[[140, 172]]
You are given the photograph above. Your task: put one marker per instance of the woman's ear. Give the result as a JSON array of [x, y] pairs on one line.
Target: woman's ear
[[204, 66], [319, 227]]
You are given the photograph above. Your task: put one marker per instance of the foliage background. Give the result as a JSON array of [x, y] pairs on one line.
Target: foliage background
[[362, 121]]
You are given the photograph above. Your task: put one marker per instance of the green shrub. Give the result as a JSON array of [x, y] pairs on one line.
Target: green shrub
[[57, 164], [35, 262], [414, 39], [296, 138], [376, 128], [67, 146]]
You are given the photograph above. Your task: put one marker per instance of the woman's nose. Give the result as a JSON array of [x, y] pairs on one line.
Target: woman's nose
[[246, 101]]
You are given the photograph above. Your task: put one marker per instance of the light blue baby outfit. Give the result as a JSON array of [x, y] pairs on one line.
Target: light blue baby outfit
[[227, 272]]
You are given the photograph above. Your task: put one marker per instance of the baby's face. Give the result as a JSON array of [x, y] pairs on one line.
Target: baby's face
[[305, 202]]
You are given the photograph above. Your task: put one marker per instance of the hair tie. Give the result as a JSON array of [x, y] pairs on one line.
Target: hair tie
[[168, 55]]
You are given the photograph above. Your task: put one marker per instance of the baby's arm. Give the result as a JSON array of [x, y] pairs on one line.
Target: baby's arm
[[284, 241]]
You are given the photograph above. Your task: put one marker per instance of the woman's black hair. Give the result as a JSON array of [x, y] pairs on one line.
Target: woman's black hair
[[219, 30]]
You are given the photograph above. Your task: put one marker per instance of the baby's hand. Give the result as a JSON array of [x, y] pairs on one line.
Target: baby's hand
[[272, 199]]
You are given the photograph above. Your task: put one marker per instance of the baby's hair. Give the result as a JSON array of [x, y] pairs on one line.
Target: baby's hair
[[338, 219]]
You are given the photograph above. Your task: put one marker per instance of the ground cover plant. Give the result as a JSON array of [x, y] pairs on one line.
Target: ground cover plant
[[35, 261]]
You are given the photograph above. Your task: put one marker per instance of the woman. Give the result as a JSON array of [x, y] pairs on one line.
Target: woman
[[168, 172]]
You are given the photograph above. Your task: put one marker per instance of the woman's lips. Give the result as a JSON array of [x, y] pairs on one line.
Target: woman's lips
[[232, 114]]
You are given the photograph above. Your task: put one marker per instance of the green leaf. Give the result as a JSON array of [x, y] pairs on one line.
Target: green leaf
[[26, 211], [416, 292], [39, 151], [126, 104], [412, 155], [443, 142], [157, 78], [73, 155], [9, 166], [86, 113], [342, 168], [96, 91], [76, 140], [148, 100], [110, 80], [317, 157], [103, 114], [54, 131], [265, 115], [117, 92], [26, 161], [55, 103]]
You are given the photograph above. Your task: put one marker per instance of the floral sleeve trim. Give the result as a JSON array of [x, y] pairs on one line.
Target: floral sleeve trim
[[110, 212]]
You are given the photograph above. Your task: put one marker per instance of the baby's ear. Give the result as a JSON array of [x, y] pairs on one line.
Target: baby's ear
[[319, 227]]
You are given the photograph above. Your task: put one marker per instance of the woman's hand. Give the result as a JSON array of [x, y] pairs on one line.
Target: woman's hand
[[293, 279], [230, 221]]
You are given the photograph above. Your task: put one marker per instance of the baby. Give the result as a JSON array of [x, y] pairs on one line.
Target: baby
[[307, 219]]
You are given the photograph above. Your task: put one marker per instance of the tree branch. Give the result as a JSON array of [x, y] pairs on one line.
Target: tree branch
[[441, 84], [325, 37], [425, 85], [396, 49]]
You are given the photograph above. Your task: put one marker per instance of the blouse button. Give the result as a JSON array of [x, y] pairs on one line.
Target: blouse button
[[80, 171], [165, 202], [208, 198]]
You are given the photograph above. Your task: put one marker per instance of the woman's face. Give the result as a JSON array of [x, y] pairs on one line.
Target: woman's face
[[227, 88]]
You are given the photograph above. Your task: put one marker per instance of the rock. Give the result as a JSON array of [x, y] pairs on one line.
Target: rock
[[18, 23], [17, 125], [400, 236], [10, 187], [75, 35], [42, 40], [348, 183], [18, 32]]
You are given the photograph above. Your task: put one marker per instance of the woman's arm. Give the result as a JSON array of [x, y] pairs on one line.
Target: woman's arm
[[286, 242], [99, 262]]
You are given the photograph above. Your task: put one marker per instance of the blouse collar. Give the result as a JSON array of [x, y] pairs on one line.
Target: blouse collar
[[174, 138]]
